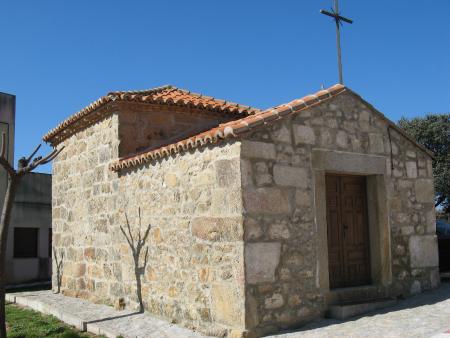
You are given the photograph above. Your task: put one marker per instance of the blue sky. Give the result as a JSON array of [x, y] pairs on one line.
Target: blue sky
[[58, 56]]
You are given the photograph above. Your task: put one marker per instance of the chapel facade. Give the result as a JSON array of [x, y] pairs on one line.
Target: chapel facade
[[260, 219]]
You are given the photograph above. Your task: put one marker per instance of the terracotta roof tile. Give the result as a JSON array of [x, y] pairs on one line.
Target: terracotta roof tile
[[166, 95], [229, 129], [253, 118]]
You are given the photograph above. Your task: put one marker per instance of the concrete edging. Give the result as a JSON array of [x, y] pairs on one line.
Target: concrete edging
[[99, 319]]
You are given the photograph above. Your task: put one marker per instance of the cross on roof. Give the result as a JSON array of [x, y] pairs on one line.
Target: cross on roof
[[338, 20]]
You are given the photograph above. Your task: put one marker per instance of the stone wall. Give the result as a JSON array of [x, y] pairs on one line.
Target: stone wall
[[282, 244], [235, 241], [195, 270], [143, 126]]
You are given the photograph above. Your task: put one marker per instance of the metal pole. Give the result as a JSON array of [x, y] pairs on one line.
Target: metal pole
[[338, 41], [337, 19]]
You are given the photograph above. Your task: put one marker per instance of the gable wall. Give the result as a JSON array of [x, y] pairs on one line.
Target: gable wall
[[143, 126], [194, 274], [283, 247]]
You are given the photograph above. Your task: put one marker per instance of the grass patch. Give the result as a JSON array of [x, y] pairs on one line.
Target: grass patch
[[25, 323]]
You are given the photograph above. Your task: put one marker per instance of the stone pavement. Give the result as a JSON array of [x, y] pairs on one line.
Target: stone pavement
[[99, 319], [425, 315]]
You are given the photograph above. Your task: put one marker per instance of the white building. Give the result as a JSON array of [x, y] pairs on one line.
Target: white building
[[28, 252], [7, 123]]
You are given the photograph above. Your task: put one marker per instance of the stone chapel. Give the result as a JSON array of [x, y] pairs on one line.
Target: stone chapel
[[261, 220]]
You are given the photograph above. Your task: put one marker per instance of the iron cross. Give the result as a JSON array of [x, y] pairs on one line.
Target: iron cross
[[338, 20]]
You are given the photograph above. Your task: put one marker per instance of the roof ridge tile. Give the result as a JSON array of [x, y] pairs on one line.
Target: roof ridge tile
[[141, 91]]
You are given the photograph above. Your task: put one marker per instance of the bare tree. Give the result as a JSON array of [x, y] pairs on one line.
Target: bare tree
[[25, 166], [136, 246], [59, 267]]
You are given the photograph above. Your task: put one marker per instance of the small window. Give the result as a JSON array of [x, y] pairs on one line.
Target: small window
[[25, 242]]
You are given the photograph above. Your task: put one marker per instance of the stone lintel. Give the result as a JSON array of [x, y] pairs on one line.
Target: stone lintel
[[340, 161]]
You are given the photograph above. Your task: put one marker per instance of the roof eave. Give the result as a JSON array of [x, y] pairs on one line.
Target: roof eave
[[145, 97]]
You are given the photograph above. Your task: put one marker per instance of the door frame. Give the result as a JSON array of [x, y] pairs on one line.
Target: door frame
[[375, 168]]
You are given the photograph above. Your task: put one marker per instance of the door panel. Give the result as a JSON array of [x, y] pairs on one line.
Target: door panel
[[334, 232], [348, 231]]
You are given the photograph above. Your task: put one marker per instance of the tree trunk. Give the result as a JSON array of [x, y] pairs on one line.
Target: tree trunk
[[4, 227]]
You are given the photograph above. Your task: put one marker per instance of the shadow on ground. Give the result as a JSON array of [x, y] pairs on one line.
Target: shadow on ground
[[114, 317]]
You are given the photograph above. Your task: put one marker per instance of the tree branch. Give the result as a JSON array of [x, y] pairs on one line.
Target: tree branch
[[5, 164], [3, 160], [52, 156], [39, 161], [3, 152], [33, 153]]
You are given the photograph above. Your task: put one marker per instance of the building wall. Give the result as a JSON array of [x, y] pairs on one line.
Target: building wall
[[31, 209], [237, 239], [195, 270], [284, 247], [7, 123], [152, 126]]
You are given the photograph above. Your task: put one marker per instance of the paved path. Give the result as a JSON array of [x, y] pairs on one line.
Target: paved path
[[426, 315], [100, 319]]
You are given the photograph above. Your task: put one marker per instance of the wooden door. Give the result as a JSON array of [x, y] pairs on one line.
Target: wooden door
[[348, 231]]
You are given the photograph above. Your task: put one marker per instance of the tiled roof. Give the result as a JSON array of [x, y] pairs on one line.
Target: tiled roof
[[229, 129], [237, 127], [165, 95]]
